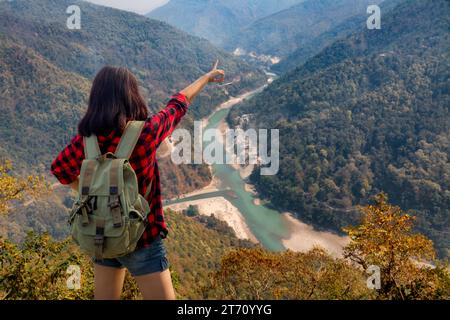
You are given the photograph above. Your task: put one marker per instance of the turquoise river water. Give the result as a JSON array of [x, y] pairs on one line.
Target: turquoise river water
[[268, 225]]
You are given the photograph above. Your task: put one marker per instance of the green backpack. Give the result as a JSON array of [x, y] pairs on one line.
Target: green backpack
[[110, 215]]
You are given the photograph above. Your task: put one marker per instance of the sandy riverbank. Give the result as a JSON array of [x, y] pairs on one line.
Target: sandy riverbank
[[222, 210], [235, 100], [303, 238]]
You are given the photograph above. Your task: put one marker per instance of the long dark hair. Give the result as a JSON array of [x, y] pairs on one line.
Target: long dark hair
[[114, 100]]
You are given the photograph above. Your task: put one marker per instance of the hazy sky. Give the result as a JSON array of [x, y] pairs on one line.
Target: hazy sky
[[138, 6]]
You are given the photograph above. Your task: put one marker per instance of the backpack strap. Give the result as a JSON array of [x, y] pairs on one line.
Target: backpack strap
[[99, 238], [129, 139], [149, 188], [91, 148], [114, 199], [87, 175]]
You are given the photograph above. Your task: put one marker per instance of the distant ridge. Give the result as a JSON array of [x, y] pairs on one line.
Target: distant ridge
[[296, 27], [217, 20]]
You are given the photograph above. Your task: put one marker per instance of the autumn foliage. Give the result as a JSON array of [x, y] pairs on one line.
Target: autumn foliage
[[408, 269], [15, 188], [406, 260], [260, 274], [38, 270], [213, 264]]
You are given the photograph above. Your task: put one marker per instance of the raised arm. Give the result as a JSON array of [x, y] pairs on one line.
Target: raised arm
[[215, 75], [164, 122]]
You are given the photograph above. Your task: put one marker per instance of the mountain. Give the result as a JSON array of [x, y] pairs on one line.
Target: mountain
[[313, 45], [295, 27], [369, 113], [46, 69], [217, 20]]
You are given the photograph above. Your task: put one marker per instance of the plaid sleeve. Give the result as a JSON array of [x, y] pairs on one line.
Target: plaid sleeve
[[164, 122], [66, 167]]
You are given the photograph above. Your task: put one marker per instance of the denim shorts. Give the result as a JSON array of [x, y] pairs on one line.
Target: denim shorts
[[142, 261]]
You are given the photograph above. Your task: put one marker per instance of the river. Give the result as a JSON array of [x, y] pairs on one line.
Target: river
[[267, 225]]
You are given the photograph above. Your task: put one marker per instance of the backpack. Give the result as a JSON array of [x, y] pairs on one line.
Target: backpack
[[109, 216]]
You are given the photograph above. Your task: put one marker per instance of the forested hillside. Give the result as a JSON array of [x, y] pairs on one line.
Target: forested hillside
[[45, 70], [217, 20], [368, 113], [211, 263], [296, 27], [313, 45]]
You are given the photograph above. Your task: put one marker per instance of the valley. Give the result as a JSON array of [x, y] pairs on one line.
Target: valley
[[361, 115], [231, 199], [368, 114]]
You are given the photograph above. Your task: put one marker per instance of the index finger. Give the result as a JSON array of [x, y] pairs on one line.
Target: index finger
[[216, 64]]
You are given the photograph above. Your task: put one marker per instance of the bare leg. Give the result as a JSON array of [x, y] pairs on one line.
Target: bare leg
[[108, 282], [156, 286]]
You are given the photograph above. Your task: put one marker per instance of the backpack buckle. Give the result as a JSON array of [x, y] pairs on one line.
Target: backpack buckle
[[116, 211], [114, 203], [83, 208], [98, 240], [108, 155]]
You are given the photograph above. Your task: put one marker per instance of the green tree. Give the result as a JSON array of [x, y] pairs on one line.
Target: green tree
[[192, 211]]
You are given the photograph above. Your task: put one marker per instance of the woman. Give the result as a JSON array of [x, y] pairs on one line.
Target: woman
[[114, 100]]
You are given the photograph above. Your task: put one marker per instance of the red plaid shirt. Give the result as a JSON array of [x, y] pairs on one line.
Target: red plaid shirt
[[66, 167]]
